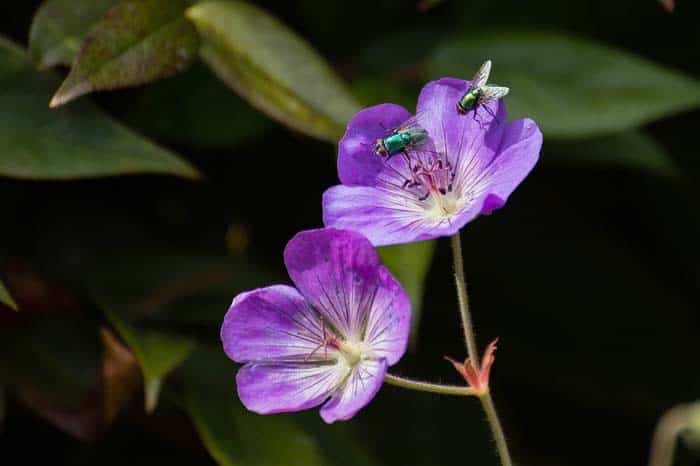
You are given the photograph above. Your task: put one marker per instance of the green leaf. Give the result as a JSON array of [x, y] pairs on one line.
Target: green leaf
[[76, 142], [138, 41], [410, 264], [196, 109], [633, 149], [232, 435], [273, 68], [6, 298], [571, 86], [59, 27], [158, 354]]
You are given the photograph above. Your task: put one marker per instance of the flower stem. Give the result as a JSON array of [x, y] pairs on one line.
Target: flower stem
[[473, 352], [427, 386], [463, 298]]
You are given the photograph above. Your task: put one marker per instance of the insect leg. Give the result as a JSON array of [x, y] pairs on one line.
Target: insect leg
[[490, 112]]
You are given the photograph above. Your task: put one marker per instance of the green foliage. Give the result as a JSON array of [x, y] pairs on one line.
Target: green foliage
[[158, 354], [196, 109], [629, 149], [136, 42], [6, 298], [59, 28], [571, 86], [273, 68], [588, 275], [410, 264], [78, 142]]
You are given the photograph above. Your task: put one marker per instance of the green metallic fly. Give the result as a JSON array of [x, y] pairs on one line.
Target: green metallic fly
[[479, 92], [406, 137]]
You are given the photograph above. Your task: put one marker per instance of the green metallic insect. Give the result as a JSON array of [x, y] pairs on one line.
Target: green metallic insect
[[479, 92], [408, 136]]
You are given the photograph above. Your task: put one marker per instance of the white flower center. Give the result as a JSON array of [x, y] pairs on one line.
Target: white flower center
[[439, 206], [352, 352]]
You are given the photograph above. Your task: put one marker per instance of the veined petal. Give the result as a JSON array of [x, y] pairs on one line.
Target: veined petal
[[337, 272], [283, 387], [389, 320], [384, 216], [470, 141], [273, 322], [518, 154], [363, 384], [357, 162]]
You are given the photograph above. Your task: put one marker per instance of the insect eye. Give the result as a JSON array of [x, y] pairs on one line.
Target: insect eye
[[380, 150]]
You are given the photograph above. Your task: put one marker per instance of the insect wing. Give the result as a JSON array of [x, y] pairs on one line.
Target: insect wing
[[482, 76], [490, 93], [411, 123]]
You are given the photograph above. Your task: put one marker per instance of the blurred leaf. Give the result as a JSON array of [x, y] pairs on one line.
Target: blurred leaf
[[232, 435], [633, 149], [339, 443], [273, 68], [52, 359], [410, 264], [161, 285], [59, 27], [112, 388], [571, 86], [136, 42], [52, 364], [120, 374], [158, 354], [6, 299], [34, 293], [196, 109], [373, 90], [399, 54], [76, 142], [669, 5], [58, 355]]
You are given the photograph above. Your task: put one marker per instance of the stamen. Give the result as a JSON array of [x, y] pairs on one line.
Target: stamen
[[431, 177]]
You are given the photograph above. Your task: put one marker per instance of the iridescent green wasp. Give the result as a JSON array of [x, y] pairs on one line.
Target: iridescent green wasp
[[406, 137], [479, 92]]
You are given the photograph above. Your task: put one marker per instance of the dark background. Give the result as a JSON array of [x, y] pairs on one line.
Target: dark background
[[589, 275]]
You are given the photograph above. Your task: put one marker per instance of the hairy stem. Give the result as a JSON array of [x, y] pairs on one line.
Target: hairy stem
[[463, 298], [473, 352], [427, 386]]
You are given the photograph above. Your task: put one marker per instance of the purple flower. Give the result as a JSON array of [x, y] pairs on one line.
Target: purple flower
[[471, 166], [330, 338]]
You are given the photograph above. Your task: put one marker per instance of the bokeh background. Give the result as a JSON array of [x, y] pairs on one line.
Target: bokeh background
[[132, 216]]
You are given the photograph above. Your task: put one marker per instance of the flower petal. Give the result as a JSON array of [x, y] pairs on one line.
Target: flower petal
[[337, 272], [272, 322], [383, 216], [363, 384], [270, 388], [454, 133], [389, 320], [357, 162], [469, 141], [518, 154]]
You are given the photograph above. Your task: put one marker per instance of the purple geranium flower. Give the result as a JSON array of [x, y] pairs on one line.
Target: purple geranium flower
[[330, 338], [471, 165]]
